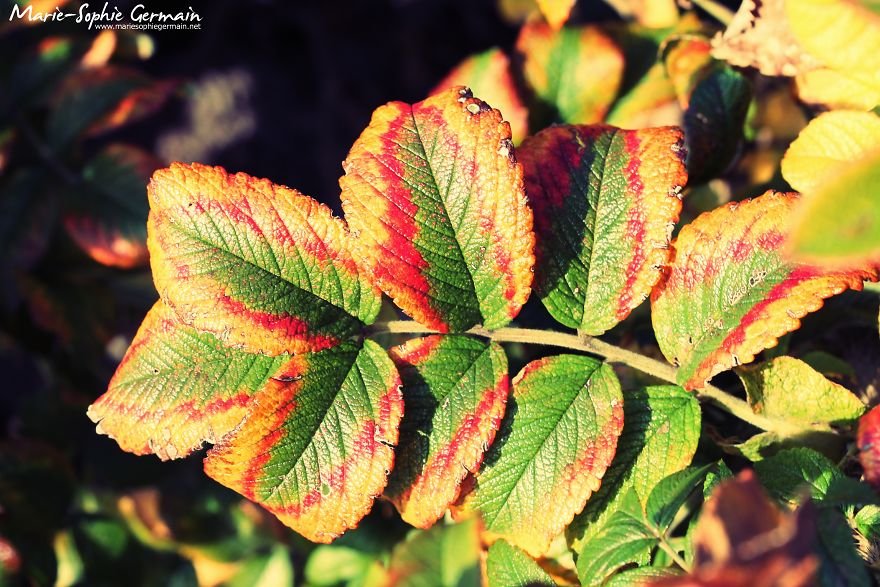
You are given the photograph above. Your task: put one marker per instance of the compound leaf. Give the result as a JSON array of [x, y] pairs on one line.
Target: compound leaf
[[317, 445], [730, 292], [606, 201], [434, 195], [262, 266], [554, 445], [454, 388], [177, 388]]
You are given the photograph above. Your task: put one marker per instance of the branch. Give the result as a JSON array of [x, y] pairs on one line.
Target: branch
[[615, 354]]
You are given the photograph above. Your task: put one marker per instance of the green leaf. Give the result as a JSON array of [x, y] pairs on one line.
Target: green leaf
[[826, 232], [787, 473], [786, 388], [661, 430], [715, 99], [444, 556], [713, 122], [328, 566], [839, 562], [454, 390], [317, 445], [268, 570], [508, 566], [671, 493], [554, 445], [867, 522], [626, 538], [606, 201]]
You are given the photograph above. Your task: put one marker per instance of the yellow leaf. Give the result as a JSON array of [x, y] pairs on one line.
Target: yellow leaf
[[830, 141]]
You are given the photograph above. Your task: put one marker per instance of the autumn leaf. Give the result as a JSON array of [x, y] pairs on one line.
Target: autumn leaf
[[788, 389], [730, 292], [318, 443], [108, 217], [556, 12], [434, 196], [762, 549], [261, 266], [575, 71], [868, 440], [828, 146], [606, 201], [554, 445], [454, 390], [177, 388], [489, 75]]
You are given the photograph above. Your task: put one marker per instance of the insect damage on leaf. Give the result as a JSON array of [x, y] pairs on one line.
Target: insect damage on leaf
[[434, 195]]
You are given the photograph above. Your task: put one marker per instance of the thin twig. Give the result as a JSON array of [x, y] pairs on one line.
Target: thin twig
[[615, 354]]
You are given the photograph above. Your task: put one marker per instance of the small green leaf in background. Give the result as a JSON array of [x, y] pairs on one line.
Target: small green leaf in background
[[624, 539], [671, 493], [661, 429], [631, 532], [715, 98], [508, 566], [790, 473], [830, 233], [444, 556], [840, 563], [268, 570], [786, 388], [554, 445]]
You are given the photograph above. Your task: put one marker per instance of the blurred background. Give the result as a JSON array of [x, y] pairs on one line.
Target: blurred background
[[275, 89]]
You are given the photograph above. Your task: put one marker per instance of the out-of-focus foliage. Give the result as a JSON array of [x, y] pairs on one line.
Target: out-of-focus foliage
[[272, 343]]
